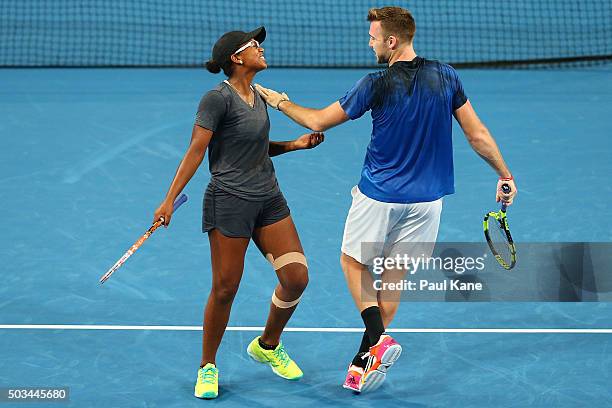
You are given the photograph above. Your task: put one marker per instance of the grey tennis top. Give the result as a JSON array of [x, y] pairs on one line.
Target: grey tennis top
[[238, 151]]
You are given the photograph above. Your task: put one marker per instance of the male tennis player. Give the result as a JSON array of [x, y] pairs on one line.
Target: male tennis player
[[408, 168]]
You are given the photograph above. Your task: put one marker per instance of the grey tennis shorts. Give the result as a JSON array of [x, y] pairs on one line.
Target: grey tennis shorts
[[236, 217]]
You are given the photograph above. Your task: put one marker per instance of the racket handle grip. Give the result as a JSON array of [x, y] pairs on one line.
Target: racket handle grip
[[180, 201], [506, 189]]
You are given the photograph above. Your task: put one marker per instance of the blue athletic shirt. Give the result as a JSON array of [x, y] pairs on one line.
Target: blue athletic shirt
[[409, 158]]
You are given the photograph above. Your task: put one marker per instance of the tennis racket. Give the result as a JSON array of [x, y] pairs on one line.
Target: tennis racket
[[497, 234], [140, 241]]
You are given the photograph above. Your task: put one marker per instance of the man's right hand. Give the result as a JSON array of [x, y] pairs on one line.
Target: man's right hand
[[271, 97], [165, 210], [506, 198]]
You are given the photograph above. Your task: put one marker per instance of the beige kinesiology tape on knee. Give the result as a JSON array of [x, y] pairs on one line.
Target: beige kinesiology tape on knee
[[284, 260], [281, 304]]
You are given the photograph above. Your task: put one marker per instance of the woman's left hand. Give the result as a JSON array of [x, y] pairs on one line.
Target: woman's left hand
[[309, 140]]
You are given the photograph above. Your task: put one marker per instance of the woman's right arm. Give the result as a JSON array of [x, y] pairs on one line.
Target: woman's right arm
[[200, 138]]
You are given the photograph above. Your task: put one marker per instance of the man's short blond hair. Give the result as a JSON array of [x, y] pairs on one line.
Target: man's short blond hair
[[395, 21]]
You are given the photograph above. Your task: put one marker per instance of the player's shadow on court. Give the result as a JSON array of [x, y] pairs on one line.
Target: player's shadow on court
[[580, 278]]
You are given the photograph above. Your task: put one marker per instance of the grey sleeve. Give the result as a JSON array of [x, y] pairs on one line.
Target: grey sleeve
[[211, 110]]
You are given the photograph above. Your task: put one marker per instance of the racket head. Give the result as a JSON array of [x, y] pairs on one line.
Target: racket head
[[499, 239], [179, 201]]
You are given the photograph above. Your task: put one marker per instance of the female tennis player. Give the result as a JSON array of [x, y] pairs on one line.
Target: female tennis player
[[242, 201]]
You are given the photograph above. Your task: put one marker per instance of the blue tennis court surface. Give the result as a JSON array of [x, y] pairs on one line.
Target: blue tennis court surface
[[88, 155]]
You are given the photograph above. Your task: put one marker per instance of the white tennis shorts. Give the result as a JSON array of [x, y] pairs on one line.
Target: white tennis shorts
[[382, 227]]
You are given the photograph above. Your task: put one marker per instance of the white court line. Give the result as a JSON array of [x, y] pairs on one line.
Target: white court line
[[294, 329]]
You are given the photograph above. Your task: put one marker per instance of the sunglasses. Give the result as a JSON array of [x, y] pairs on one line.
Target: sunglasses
[[252, 43]]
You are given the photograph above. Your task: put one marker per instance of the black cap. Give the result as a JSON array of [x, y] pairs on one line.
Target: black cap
[[231, 41]]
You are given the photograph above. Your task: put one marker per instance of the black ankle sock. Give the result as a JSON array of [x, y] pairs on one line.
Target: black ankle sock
[[365, 343], [364, 347], [373, 323], [265, 346], [359, 361]]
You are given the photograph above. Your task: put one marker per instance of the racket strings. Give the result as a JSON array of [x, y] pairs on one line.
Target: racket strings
[[499, 239]]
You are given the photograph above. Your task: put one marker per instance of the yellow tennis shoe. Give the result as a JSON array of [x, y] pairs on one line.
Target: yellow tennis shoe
[[278, 359], [207, 385]]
